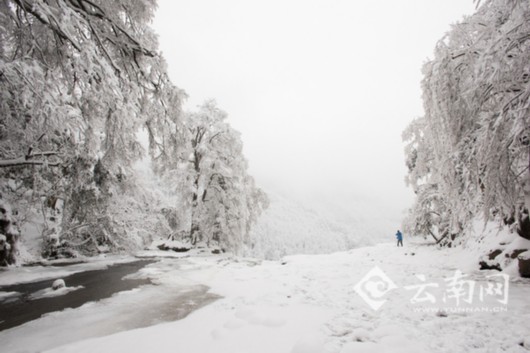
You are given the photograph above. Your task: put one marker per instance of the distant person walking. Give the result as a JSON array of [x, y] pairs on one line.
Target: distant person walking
[[399, 237]]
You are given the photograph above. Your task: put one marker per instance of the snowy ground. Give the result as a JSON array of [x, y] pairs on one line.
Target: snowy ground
[[305, 304]]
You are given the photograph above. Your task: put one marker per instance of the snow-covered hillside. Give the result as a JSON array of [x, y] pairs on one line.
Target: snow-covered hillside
[[292, 227]]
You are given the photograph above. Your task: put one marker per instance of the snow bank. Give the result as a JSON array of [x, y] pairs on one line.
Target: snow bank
[[254, 329], [493, 246], [8, 295], [52, 292], [16, 275]]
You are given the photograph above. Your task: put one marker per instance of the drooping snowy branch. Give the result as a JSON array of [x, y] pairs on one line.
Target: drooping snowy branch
[[470, 153]]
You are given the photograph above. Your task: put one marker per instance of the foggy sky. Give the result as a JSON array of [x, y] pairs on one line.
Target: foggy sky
[[321, 90]]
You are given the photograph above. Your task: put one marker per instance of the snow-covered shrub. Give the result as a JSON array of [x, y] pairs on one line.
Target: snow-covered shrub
[[172, 245]]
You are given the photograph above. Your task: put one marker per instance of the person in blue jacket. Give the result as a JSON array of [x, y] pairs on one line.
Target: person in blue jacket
[[399, 237]]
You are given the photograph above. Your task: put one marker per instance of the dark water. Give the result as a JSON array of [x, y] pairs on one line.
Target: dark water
[[99, 284]]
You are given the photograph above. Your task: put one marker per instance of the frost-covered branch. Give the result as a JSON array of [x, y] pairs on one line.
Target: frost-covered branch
[[29, 160], [30, 7]]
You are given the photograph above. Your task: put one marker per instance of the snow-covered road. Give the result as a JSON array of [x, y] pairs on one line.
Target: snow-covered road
[[318, 304]]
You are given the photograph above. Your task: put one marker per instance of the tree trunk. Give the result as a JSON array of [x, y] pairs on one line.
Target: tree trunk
[[523, 228]]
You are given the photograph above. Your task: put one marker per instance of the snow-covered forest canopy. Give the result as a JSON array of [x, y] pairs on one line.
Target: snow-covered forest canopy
[[83, 88], [469, 155]]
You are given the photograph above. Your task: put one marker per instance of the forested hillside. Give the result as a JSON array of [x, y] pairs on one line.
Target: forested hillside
[[469, 155], [80, 82]]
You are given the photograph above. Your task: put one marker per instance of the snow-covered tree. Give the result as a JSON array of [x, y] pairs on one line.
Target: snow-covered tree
[[220, 199], [471, 150], [74, 76], [78, 80]]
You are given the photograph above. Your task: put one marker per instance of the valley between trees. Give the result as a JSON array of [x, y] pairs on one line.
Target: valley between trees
[[101, 162]]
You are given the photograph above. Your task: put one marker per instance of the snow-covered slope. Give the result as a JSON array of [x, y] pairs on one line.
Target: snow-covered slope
[[290, 227]]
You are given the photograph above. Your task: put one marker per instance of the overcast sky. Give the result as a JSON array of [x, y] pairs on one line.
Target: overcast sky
[[321, 90]]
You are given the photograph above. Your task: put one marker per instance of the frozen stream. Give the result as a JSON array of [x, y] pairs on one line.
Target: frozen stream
[[118, 298], [98, 284]]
